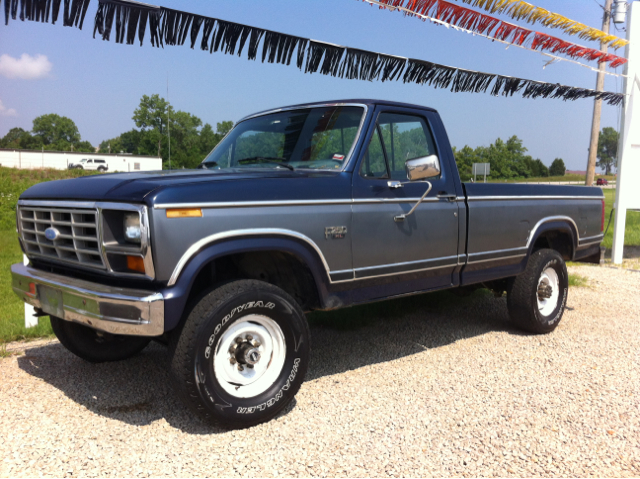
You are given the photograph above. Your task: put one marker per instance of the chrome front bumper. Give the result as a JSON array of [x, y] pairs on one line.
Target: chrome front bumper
[[111, 309]]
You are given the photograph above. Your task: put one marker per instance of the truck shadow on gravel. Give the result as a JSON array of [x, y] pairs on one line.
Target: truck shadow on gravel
[[137, 391]]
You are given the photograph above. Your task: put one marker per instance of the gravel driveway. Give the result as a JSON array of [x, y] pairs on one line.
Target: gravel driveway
[[455, 392]]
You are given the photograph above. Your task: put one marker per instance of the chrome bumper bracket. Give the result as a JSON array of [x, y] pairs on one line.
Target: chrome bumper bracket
[[111, 309]]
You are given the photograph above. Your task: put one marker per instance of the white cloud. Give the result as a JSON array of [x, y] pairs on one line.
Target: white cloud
[[26, 67], [4, 111]]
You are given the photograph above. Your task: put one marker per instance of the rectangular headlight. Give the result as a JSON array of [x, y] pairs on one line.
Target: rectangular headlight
[[132, 227]]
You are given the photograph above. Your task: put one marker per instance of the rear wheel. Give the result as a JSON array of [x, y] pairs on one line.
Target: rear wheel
[[95, 346], [242, 354], [536, 299], [101, 169]]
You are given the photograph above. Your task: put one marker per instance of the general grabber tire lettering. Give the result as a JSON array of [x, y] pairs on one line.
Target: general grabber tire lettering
[[95, 346], [536, 299], [242, 354]]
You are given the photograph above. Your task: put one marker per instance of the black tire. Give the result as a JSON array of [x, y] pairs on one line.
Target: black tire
[[523, 293], [96, 346], [101, 169], [195, 348]]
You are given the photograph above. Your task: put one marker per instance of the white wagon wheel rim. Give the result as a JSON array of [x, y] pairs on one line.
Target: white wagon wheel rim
[[249, 356], [548, 291]]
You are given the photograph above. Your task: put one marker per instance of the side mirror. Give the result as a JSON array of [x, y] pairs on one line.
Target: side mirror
[[423, 167]]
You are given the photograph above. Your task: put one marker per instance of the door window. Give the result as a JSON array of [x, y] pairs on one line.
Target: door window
[[404, 137], [374, 164]]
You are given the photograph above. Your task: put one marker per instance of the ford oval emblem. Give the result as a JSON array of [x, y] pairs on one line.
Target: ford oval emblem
[[51, 234]]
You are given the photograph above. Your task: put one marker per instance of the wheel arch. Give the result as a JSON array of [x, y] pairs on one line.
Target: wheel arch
[[557, 233], [301, 257]]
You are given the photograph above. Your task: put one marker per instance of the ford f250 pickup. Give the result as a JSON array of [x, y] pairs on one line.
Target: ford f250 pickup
[[309, 207]]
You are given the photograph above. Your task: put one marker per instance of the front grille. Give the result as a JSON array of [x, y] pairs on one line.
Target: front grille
[[77, 242]]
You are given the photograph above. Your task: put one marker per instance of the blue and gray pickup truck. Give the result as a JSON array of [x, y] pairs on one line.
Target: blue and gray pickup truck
[[309, 207]]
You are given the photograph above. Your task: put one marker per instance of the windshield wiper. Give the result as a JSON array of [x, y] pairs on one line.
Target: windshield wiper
[[266, 159]]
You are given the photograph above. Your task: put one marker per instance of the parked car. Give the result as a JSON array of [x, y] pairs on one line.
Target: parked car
[[310, 207], [602, 182], [90, 164]]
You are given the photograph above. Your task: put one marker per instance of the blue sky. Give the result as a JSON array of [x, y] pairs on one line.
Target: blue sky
[[98, 84]]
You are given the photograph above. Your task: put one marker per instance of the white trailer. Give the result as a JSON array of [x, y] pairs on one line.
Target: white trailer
[[61, 160]]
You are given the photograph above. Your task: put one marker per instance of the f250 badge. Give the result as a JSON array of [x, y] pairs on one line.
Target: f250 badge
[[335, 232]]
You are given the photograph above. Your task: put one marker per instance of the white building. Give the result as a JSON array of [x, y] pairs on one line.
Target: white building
[[60, 160]]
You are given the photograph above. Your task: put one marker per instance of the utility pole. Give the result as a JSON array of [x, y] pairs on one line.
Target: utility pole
[[169, 120], [597, 104]]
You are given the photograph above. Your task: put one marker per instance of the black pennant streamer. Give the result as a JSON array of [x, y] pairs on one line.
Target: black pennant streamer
[[470, 81], [421, 72], [326, 53], [74, 12], [365, 65], [279, 48], [173, 27], [392, 67], [128, 19], [39, 11], [535, 89]]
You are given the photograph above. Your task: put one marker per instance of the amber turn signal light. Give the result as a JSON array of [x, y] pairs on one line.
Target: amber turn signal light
[[135, 263], [184, 213]]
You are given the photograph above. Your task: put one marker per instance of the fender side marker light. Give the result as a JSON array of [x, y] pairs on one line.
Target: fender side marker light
[[184, 213]]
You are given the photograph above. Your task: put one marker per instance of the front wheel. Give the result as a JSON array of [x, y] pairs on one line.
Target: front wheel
[[95, 346], [242, 354], [536, 299]]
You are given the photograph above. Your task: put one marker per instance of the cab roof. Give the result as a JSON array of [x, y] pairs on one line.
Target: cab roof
[[368, 102]]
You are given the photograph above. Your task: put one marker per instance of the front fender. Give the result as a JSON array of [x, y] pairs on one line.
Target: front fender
[[176, 295]]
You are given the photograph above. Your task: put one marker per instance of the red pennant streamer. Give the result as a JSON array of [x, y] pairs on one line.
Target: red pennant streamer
[[477, 22]]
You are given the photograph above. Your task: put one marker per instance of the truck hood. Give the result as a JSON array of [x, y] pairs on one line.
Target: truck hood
[[138, 187]]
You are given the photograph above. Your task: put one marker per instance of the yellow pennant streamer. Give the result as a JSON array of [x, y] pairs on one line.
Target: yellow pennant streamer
[[521, 10]]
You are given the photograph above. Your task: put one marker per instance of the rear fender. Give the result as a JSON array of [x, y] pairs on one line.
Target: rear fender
[[564, 226]]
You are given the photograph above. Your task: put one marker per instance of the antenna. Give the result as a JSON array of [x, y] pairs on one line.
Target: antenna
[[169, 120]]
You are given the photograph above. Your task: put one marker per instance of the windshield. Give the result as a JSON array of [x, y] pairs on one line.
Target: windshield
[[318, 138]]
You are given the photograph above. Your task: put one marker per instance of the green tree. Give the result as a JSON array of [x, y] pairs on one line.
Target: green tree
[[55, 129], [508, 159], [151, 115], [19, 139], [157, 120], [557, 168], [223, 127], [608, 149], [114, 145]]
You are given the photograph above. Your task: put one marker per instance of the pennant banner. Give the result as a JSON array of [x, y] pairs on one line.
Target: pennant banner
[[493, 28], [173, 27], [521, 10], [39, 11]]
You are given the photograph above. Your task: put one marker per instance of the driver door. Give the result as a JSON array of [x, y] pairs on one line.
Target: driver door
[[422, 251]]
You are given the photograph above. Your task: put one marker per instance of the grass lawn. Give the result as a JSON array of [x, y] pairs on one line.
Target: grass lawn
[[11, 308], [632, 228], [13, 182]]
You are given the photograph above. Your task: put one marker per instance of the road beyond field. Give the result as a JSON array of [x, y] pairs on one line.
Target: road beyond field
[[456, 393]]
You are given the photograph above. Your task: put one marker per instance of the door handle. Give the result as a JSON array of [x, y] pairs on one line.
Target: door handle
[[447, 197], [395, 184]]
